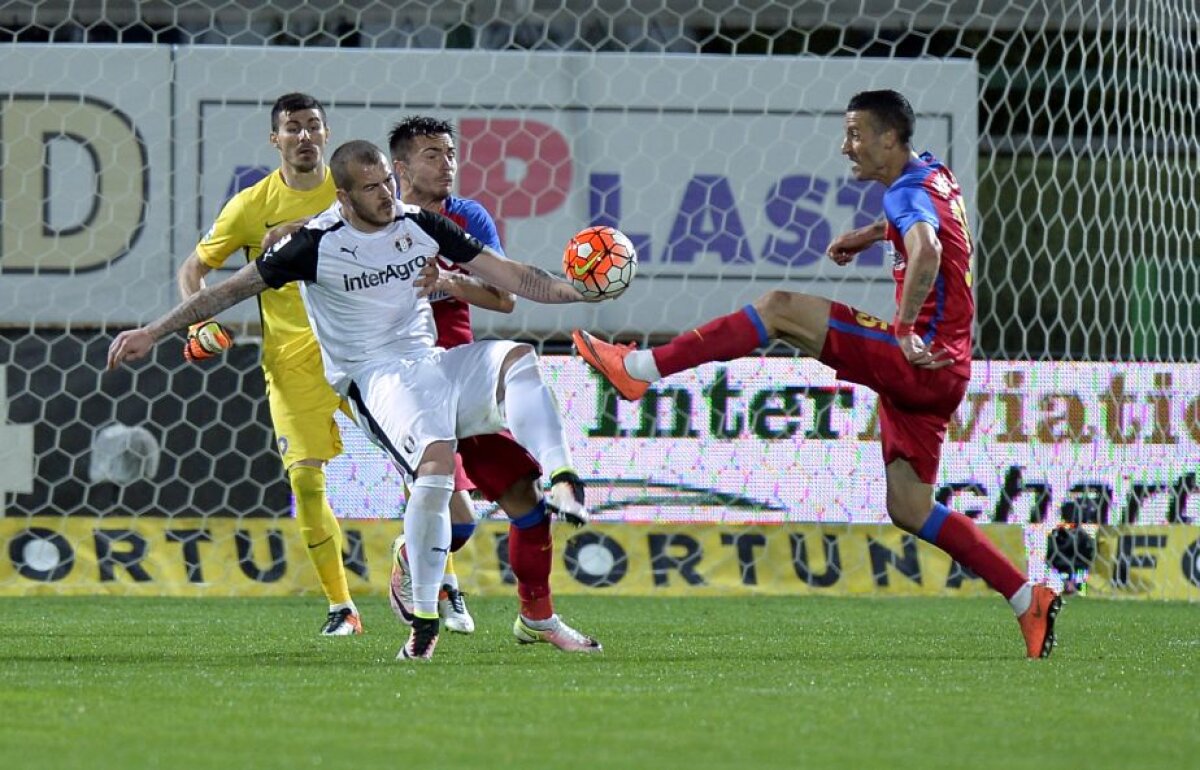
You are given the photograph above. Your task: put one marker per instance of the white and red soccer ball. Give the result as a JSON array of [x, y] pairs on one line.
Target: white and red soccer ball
[[600, 261]]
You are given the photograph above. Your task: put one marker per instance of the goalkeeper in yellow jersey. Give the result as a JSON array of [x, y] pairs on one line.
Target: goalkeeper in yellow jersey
[[302, 403]]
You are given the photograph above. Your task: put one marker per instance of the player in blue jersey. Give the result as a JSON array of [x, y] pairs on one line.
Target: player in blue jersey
[[919, 363], [425, 162]]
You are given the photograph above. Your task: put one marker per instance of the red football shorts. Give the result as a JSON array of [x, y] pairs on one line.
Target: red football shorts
[[915, 405], [492, 463]]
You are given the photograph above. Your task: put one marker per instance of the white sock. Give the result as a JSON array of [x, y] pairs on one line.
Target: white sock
[[640, 365], [1021, 600], [450, 579], [541, 625], [533, 417], [427, 538], [342, 606]]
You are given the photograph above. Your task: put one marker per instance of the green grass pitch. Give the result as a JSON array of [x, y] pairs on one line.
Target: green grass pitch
[[683, 683]]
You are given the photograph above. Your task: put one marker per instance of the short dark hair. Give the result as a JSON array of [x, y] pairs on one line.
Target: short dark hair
[[358, 151], [889, 109], [294, 102], [401, 137]]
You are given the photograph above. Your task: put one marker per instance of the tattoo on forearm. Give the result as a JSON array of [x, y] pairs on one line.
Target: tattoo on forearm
[[541, 286], [918, 287], [210, 301]]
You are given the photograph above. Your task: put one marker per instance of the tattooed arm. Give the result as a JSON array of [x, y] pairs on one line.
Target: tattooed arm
[[523, 280], [924, 259], [135, 343]]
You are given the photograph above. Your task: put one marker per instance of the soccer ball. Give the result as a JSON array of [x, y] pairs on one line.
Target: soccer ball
[[600, 262]]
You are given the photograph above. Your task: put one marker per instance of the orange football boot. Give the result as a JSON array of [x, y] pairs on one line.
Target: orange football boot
[[609, 360], [1037, 622]]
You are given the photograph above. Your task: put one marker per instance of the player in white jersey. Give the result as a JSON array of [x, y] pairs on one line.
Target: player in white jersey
[[365, 267]]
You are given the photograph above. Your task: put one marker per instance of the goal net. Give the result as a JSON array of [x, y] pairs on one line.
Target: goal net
[[707, 131]]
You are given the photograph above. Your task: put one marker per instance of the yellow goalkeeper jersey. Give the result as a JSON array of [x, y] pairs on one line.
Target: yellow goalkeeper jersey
[[242, 224]]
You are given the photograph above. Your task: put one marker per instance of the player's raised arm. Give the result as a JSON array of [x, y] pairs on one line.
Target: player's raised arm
[[843, 248], [135, 343]]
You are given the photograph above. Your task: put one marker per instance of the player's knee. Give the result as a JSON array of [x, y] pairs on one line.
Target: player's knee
[[520, 362], [905, 514], [520, 366], [522, 496], [307, 481], [312, 510], [773, 306], [520, 356], [461, 510], [437, 460]]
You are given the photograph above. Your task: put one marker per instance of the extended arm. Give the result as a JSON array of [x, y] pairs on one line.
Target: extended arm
[[521, 279], [135, 343]]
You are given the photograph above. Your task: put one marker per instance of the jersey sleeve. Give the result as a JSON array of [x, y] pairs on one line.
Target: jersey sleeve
[[227, 234], [481, 225], [293, 258], [453, 243], [907, 205]]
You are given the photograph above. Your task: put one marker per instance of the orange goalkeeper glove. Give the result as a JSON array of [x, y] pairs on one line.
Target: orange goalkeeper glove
[[205, 340]]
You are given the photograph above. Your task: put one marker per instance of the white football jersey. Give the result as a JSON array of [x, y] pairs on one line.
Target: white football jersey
[[358, 287]]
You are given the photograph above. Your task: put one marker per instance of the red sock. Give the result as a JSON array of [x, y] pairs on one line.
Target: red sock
[[721, 339], [966, 543], [530, 555]]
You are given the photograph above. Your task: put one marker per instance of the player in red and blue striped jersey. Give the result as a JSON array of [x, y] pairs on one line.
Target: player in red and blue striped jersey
[[425, 162], [919, 363]]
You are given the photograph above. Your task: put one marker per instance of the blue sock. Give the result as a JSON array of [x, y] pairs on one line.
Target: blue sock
[[933, 525], [459, 535], [759, 326], [531, 519]]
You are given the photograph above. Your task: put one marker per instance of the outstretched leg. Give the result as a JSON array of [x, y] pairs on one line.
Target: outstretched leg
[[800, 319]]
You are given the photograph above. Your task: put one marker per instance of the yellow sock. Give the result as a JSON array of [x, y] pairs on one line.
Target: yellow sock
[[450, 577], [320, 531]]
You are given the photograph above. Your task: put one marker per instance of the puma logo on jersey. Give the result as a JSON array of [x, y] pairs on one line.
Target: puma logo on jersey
[[352, 252]]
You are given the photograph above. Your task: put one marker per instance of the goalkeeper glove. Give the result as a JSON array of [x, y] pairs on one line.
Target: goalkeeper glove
[[205, 340]]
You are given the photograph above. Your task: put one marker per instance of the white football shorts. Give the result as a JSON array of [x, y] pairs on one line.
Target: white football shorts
[[404, 405]]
